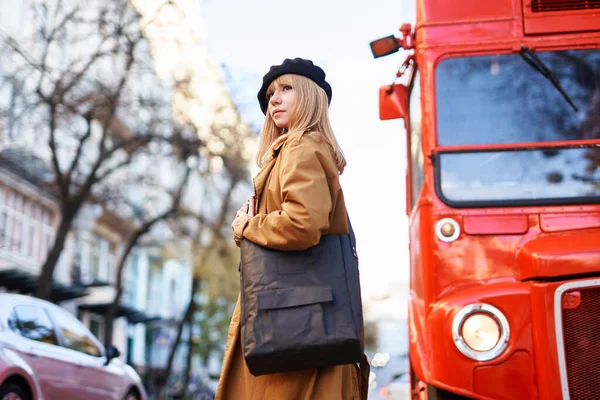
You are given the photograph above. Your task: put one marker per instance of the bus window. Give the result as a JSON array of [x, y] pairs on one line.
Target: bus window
[[414, 132], [502, 100], [520, 177]]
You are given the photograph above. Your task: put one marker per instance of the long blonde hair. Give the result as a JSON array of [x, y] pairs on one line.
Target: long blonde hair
[[310, 114]]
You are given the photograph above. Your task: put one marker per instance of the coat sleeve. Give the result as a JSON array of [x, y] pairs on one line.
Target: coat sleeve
[[306, 200]]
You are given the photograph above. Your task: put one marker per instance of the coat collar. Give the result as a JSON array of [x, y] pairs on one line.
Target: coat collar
[[278, 144], [261, 178]]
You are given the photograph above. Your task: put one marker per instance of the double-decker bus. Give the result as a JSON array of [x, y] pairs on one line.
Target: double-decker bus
[[501, 104]]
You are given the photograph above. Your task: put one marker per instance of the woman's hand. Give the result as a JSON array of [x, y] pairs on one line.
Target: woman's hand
[[241, 218]]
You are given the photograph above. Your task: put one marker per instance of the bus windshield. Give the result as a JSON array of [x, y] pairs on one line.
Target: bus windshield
[[501, 99]]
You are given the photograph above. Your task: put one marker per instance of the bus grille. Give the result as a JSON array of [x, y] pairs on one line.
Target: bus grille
[[563, 5], [581, 334]]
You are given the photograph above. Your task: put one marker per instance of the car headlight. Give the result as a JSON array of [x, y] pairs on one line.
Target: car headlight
[[480, 331]]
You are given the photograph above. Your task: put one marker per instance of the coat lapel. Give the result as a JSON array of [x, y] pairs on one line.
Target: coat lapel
[[261, 178]]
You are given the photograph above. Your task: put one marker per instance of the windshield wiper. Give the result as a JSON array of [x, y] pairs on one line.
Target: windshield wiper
[[587, 179], [532, 59]]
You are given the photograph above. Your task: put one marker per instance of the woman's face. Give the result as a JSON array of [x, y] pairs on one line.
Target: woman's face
[[282, 98]]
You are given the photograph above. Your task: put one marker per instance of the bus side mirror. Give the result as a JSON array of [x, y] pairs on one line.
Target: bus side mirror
[[393, 101]]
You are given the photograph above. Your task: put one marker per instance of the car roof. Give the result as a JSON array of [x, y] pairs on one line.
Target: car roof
[[9, 299]]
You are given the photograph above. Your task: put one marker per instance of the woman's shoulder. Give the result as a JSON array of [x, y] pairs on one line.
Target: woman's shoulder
[[310, 139], [309, 147]]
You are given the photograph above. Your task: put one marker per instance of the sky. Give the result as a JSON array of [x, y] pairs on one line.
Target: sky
[[250, 36]]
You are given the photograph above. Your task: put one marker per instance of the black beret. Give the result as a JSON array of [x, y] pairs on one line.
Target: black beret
[[298, 66]]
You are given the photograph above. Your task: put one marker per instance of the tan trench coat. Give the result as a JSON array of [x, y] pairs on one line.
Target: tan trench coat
[[299, 198]]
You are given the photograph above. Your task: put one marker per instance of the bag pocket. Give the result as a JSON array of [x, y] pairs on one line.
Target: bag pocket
[[293, 317]]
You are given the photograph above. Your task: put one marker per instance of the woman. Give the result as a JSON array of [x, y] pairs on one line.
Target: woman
[[297, 199]]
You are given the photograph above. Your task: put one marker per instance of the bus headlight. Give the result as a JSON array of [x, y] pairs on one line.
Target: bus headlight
[[480, 331]]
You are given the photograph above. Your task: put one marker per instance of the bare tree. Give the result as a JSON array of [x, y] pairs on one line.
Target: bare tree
[[145, 225], [204, 253], [85, 85]]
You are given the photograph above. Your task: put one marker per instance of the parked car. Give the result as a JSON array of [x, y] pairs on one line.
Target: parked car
[[47, 354]]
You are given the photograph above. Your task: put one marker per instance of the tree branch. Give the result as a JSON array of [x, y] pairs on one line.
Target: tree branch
[[131, 243], [115, 98], [82, 141], [50, 39], [60, 91], [63, 188]]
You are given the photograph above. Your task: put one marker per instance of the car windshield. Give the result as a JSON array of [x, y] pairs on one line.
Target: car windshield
[[502, 100]]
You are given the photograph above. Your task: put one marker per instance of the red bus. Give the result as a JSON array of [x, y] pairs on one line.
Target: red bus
[[501, 104]]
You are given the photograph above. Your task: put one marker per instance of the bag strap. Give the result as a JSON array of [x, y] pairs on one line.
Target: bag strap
[[351, 236], [364, 367], [365, 370]]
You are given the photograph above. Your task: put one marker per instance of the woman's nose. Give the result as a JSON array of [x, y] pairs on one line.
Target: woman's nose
[[275, 99]]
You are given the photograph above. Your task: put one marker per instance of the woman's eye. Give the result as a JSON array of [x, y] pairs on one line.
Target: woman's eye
[[287, 87]]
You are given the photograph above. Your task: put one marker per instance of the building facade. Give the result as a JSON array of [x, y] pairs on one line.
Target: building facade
[[156, 289], [157, 284]]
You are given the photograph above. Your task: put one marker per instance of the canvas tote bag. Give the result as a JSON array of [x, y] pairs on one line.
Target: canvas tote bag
[[301, 309]]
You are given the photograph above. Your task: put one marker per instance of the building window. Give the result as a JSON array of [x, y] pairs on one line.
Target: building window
[[17, 228], [130, 349], [25, 226], [173, 295], [7, 217], [95, 250], [25, 238], [130, 290], [3, 218], [36, 228], [98, 254], [154, 298], [96, 327]]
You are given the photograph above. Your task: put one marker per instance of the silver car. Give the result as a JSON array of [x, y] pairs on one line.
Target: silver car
[[47, 354]]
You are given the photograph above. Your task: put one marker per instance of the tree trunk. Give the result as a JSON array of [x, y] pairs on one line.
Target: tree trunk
[[44, 289], [189, 314], [109, 317], [187, 318], [111, 312], [188, 363]]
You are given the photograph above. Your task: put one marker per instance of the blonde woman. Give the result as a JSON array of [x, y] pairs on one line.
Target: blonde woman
[[297, 199]]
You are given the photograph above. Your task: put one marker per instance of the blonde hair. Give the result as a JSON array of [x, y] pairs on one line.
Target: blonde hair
[[310, 114]]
